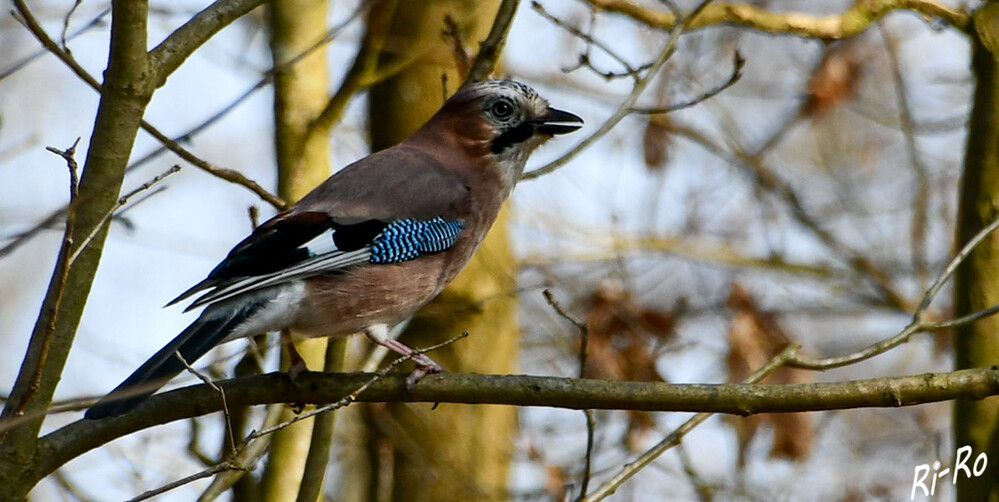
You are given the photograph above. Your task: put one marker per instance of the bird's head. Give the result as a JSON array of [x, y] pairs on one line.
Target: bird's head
[[502, 120]]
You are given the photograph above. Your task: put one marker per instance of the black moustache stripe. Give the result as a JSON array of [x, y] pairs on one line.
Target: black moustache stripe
[[511, 137]]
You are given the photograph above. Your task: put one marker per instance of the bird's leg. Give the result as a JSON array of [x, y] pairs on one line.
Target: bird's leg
[[379, 334], [296, 365]]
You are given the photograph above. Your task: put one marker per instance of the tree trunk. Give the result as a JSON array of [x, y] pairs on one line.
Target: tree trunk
[[411, 452], [126, 91], [976, 284], [300, 94]]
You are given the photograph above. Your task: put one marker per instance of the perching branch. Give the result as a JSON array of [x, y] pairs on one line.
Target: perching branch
[[79, 437]]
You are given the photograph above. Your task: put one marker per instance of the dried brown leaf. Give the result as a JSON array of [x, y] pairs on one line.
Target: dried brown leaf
[[555, 482], [656, 142], [834, 81], [754, 338], [621, 333]]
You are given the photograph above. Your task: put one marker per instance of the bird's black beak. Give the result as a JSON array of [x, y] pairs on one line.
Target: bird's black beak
[[557, 122]]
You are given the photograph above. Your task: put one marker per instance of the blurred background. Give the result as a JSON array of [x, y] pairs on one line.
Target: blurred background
[[812, 200]]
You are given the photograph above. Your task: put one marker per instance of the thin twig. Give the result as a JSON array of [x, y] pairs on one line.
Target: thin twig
[[121, 202], [225, 404], [738, 62], [29, 21], [69, 156], [624, 109], [584, 58], [65, 24], [221, 467], [919, 322], [584, 342]]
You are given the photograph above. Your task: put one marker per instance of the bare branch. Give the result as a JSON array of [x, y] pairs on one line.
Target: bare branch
[[738, 62], [171, 53], [79, 437], [35, 28], [584, 343], [625, 107], [490, 49], [857, 18], [919, 322], [121, 202], [222, 467]]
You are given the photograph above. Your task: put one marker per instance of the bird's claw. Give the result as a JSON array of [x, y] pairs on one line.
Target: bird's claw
[[295, 371], [423, 368]]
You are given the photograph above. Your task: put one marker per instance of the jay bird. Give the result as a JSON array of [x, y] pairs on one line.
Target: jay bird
[[370, 245]]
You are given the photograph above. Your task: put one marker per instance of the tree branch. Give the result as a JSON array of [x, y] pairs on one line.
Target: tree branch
[[79, 437], [625, 108], [854, 20], [490, 50], [172, 52], [227, 174]]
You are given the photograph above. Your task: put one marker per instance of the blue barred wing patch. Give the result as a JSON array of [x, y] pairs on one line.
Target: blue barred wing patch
[[405, 240]]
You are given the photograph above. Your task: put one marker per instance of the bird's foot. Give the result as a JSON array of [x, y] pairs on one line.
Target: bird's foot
[[424, 366], [295, 371]]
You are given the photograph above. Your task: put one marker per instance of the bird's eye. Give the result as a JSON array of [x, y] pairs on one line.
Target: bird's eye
[[501, 109]]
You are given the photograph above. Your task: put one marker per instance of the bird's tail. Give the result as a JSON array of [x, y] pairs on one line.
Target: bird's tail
[[215, 324]]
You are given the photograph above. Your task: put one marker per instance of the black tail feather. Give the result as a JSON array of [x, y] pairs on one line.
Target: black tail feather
[[209, 330]]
